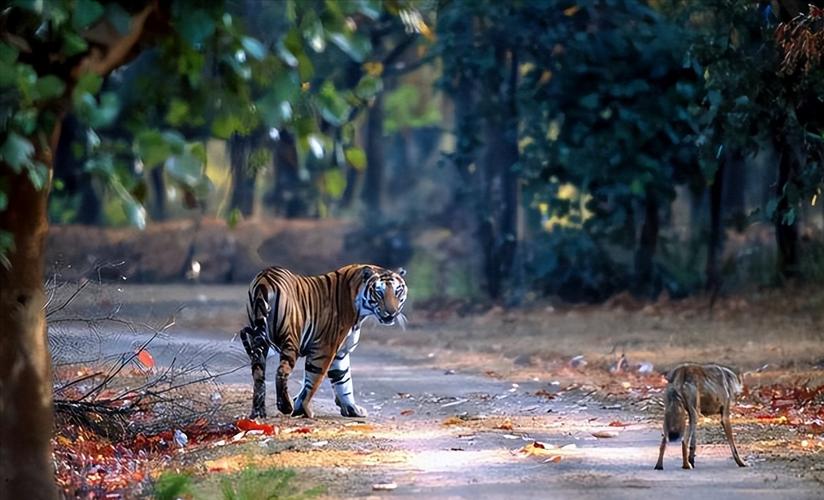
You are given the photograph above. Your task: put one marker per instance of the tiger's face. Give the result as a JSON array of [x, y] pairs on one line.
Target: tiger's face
[[384, 294]]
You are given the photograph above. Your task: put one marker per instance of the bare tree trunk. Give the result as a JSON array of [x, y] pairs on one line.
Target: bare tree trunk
[[647, 243], [243, 180], [288, 197], [26, 415], [715, 243], [70, 170], [499, 224], [786, 235], [375, 163], [158, 193]]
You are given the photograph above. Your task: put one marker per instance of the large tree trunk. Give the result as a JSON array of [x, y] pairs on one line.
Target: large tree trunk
[[375, 163], [243, 180], [786, 235], [26, 416], [647, 244]]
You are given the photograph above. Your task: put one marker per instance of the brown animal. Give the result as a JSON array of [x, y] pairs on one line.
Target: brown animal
[[709, 389]]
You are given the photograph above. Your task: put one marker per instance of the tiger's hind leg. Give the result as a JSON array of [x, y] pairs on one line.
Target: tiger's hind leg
[[288, 356], [257, 347]]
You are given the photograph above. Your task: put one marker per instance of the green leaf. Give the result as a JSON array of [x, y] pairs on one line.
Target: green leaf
[[305, 68], [8, 54], [89, 83], [4, 201], [226, 124], [234, 217], [356, 157], [286, 55], [178, 112], [48, 87], [253, 47], [152, 148], [74, 44], [25, 120], [86, 12], [354, 45], [38, 174], [334, 183], [368, 87], [196, 26], [186, 169], [332, 106], [16, 151]]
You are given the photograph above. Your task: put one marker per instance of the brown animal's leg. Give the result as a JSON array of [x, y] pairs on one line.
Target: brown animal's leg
[[725, 423], [315, 369], [257, 347], [287, 363], [660, 464], [693, 435]]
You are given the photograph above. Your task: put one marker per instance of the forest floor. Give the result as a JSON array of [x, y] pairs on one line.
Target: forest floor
[[543, 402]]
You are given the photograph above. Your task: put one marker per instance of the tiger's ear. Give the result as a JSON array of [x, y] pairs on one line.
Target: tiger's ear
[[401, 271], [367, 273]]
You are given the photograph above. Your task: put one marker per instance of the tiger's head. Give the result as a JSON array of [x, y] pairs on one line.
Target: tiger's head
[[383, 295]]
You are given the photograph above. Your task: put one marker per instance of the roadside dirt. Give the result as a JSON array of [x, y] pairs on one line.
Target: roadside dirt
[[494, 406]]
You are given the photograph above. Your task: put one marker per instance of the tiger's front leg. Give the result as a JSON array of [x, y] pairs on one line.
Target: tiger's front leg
[[341, 377], [315, 368]]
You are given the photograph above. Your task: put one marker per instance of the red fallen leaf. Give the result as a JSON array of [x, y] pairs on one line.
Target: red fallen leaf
[[245, 424], [616, 423], [301, 430], [146, 358]]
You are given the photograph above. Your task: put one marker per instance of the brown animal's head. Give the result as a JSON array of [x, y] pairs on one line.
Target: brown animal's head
[[675, 416], [383, 294]]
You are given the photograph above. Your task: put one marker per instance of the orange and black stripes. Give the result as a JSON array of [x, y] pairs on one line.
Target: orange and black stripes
[[317, 317]]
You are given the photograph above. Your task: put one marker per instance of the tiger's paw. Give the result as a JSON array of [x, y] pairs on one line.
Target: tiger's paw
[[353, 411], [302, 409], [285, 405]]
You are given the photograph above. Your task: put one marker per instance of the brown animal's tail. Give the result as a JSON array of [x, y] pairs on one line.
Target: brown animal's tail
[[675, 419]]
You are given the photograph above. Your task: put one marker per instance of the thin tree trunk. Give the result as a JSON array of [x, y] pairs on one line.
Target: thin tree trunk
[[715, 243], [375, 163], [158, 194], [69, 169], [499, 221], [26, 415], [243, 180], [648, 241], [786, 235]]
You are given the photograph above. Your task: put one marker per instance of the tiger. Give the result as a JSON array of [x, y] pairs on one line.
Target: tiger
[[319, 318]]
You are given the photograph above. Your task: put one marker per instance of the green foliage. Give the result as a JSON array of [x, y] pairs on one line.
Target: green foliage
[[171, 486], [260, 484], [406, 109]]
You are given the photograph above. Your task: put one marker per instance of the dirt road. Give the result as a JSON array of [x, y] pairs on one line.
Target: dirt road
[[437, 433]]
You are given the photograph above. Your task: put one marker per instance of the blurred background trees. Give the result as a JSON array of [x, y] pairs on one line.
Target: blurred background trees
[[503, 150]]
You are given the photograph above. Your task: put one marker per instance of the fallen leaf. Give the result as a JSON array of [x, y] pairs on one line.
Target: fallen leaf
[[145, 358], [616, 423], [605, 434], [544, 394], [245, 424], [300, 430], [506, 425], [406, 413], [537, 448], [452, 421], [553, 459], [384, 486]]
